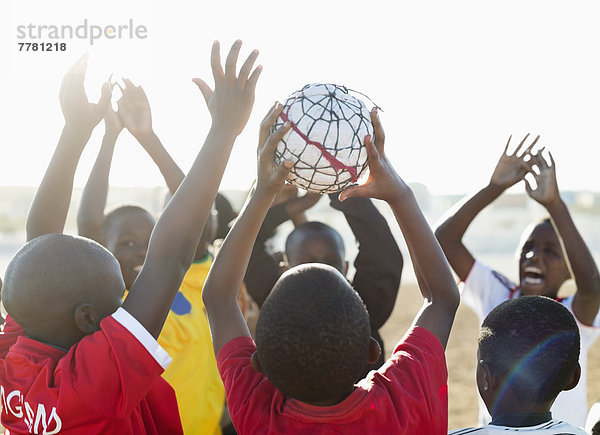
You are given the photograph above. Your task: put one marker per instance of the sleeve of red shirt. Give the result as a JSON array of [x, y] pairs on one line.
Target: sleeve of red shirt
[[241, 382], [417, 378], [11, 330], [114, 368]]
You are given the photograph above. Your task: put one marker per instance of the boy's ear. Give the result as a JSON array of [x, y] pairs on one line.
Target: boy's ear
[[486, 384], [574, 379], [374, 350], [255, 361], [84, 318]]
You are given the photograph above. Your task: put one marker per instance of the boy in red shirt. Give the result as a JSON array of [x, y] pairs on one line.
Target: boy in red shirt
[[72, 358], [313, 334]]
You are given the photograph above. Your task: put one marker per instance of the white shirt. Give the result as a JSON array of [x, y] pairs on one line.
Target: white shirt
[[548, 428], [593, 417], [483, 290]]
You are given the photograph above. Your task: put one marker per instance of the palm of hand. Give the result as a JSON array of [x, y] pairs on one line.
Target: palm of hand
[[231, 101], [231, 105], [77, 110], [547, 188], [508, 171], [136, 116]]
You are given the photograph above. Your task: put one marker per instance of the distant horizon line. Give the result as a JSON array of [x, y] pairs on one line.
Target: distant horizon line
[[239, 189]]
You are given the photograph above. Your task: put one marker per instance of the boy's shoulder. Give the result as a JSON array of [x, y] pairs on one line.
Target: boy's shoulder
[[105, 375], [417, 367], [418, 356]]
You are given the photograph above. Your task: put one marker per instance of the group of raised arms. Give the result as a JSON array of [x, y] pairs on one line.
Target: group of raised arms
[[141, 325]]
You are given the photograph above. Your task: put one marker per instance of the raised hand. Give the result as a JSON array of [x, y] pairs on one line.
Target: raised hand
[[79, 113], [112, 122], [134, 110], [288, 192], [546, 191], [383, 181], [271, 176], [509, 169], [231, 101]]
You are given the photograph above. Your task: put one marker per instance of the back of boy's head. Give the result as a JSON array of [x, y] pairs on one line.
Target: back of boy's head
[[532, 343], [51, 275], [316, 242], [313, 334], [119, 212]]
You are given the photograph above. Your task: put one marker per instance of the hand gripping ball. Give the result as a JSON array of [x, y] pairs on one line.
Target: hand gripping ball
[[326, 141]]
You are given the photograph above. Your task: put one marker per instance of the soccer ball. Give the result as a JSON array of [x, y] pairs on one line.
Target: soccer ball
[[325, 142]]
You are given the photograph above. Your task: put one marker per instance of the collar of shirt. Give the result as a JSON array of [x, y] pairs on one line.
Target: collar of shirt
[[521, 420]]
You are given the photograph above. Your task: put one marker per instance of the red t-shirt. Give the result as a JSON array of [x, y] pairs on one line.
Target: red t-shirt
[[408, 394], [109, 382]]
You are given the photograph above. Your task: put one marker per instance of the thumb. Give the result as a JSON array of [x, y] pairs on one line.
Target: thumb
[[352, 192], [283, 170], [204, 88]]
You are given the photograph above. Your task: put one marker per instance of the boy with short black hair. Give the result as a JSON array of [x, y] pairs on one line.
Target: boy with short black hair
[[73, 358], [304, 387], [378, 264], [125, 231], [550, 251], [528, 352]]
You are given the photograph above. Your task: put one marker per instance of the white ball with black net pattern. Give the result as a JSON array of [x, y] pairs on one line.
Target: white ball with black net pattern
[[326, 140]]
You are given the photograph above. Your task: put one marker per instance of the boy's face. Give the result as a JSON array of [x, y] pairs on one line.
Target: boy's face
[[542, 266], [127, 238], [321, 248]]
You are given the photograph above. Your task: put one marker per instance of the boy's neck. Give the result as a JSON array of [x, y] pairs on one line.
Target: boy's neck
[[331, 402], [513, 408], [521, 420]]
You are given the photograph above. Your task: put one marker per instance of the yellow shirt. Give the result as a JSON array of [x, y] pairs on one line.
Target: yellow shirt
[[193, 373]]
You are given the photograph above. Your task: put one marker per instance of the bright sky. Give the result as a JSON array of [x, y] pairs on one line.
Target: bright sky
[[454, 79]]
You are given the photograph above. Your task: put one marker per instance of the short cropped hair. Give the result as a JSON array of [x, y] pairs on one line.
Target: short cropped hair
[[313, 334], [50, 275], [532, 342], [119, 211]]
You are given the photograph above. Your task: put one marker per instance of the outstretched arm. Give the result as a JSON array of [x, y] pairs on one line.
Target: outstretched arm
[[227, 272], [49, 208], [379, 261], [431, 268], [509, 171], [93, 199], [176, 234], [135, 113], [579, 258]]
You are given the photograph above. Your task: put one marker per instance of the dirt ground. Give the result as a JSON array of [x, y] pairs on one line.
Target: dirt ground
[[460, 355]]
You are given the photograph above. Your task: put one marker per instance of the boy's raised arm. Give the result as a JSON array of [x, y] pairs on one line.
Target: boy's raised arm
[[509, 171], [227, 272], [177, 232], [431, 268], [579, 258], [135, 113], [49, 208], [93, 199]]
